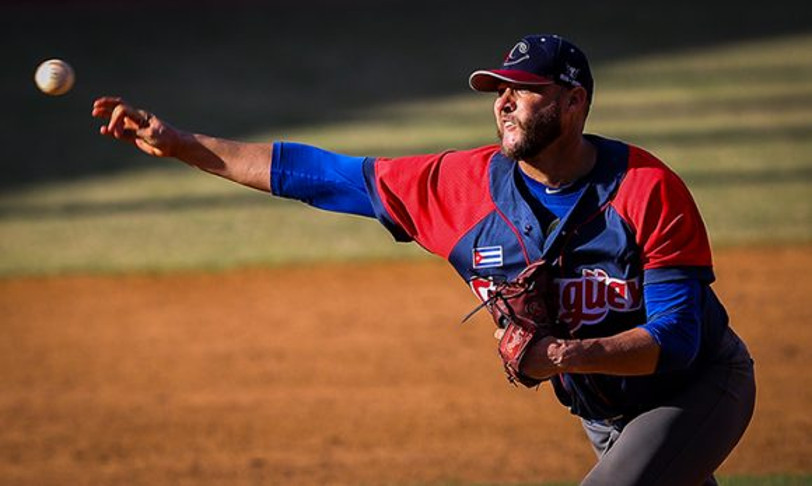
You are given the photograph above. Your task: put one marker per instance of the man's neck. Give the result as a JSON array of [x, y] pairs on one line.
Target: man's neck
[[562, 163]]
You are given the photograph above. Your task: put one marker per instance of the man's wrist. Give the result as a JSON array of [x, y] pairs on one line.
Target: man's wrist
[[563, 354], [184, 145]]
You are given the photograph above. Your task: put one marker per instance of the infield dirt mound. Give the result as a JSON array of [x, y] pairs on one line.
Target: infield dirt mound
[[334, 374]]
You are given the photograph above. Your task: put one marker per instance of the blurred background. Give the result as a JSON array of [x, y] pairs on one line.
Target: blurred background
[[722, 91], [161, 326]]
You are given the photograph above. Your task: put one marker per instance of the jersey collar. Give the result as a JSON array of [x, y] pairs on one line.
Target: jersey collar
[[601, 184]]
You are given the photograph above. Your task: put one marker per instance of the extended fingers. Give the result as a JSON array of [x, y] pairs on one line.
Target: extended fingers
[[133, 125], [112, 108], [117, 119], [121, 115], [124, 120], [103, 107]]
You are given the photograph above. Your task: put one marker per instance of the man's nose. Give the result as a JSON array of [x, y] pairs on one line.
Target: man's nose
[[507, 107], [506, 102]]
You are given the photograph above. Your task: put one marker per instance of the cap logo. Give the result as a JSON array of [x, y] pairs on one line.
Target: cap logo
[[517, 54], [570, 75]]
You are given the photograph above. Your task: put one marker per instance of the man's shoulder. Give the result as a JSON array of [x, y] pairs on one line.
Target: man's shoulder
[[484, 151], [452, 171], [482, 154], [452, 156], [435, 198], [636, 173], [449, 168], [634, 156], [642, 167]]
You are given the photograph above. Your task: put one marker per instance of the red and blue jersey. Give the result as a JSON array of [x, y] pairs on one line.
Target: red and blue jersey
[[632, 224]]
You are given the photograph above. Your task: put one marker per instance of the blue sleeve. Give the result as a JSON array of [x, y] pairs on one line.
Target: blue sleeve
[[320, 178], [673, 320]]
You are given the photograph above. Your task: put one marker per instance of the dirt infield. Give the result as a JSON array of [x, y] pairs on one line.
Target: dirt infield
[[334, 374]]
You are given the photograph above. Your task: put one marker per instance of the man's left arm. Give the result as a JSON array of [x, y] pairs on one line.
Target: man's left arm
[[668, 340]]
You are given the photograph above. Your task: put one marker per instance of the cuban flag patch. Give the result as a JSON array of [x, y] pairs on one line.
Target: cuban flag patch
[[488, 256]]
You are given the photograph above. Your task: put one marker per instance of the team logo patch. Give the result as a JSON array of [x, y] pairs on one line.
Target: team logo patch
[[482, 287], [587, 300], [488, 257]]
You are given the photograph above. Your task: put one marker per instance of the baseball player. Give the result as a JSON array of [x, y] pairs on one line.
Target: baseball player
[[662, 385]]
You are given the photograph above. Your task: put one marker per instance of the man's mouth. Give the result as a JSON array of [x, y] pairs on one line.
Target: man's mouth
[[508, 124]]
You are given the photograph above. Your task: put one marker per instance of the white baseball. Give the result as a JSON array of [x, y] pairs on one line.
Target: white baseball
[[54, 77]]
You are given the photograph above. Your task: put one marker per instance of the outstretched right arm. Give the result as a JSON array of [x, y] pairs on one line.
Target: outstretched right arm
[[245, 163]]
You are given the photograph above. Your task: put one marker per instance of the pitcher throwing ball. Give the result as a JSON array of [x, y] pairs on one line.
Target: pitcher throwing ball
[[590, 254]]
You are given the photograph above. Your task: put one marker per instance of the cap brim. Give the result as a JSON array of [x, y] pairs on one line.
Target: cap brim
[[489, 80]]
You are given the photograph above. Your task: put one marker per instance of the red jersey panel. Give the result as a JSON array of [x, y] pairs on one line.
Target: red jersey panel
[[658, 207], [430, 196]]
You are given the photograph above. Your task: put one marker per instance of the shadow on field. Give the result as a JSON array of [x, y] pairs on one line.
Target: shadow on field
[[239, 68]]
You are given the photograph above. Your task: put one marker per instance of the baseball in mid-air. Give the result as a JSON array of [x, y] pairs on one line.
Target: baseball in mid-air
[[54, 77]]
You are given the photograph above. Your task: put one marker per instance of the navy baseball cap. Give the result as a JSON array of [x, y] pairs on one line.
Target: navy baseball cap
[[538, 60]]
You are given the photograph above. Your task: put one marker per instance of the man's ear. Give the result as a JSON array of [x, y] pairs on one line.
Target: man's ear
[[577, 96]]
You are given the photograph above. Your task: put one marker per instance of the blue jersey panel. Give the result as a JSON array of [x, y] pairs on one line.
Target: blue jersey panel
[[492, 250]]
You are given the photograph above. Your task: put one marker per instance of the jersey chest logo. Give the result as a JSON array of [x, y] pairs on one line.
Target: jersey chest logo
[[588, 299], [482, 287]]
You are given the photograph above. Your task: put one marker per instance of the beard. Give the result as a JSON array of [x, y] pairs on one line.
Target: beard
[[538, 133]]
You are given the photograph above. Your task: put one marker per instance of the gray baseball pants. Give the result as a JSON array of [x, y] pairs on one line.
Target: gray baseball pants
[[682, 442]]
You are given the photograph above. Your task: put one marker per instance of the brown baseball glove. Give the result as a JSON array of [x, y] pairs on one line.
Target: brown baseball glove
[[525, 308]]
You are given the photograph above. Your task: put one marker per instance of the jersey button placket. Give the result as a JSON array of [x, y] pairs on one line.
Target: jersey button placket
[[533, 237]]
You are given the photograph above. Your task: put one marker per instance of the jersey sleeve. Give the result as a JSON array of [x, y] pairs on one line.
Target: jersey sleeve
[[667, 226], [674, 322], [323, 179], [431, 199]]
